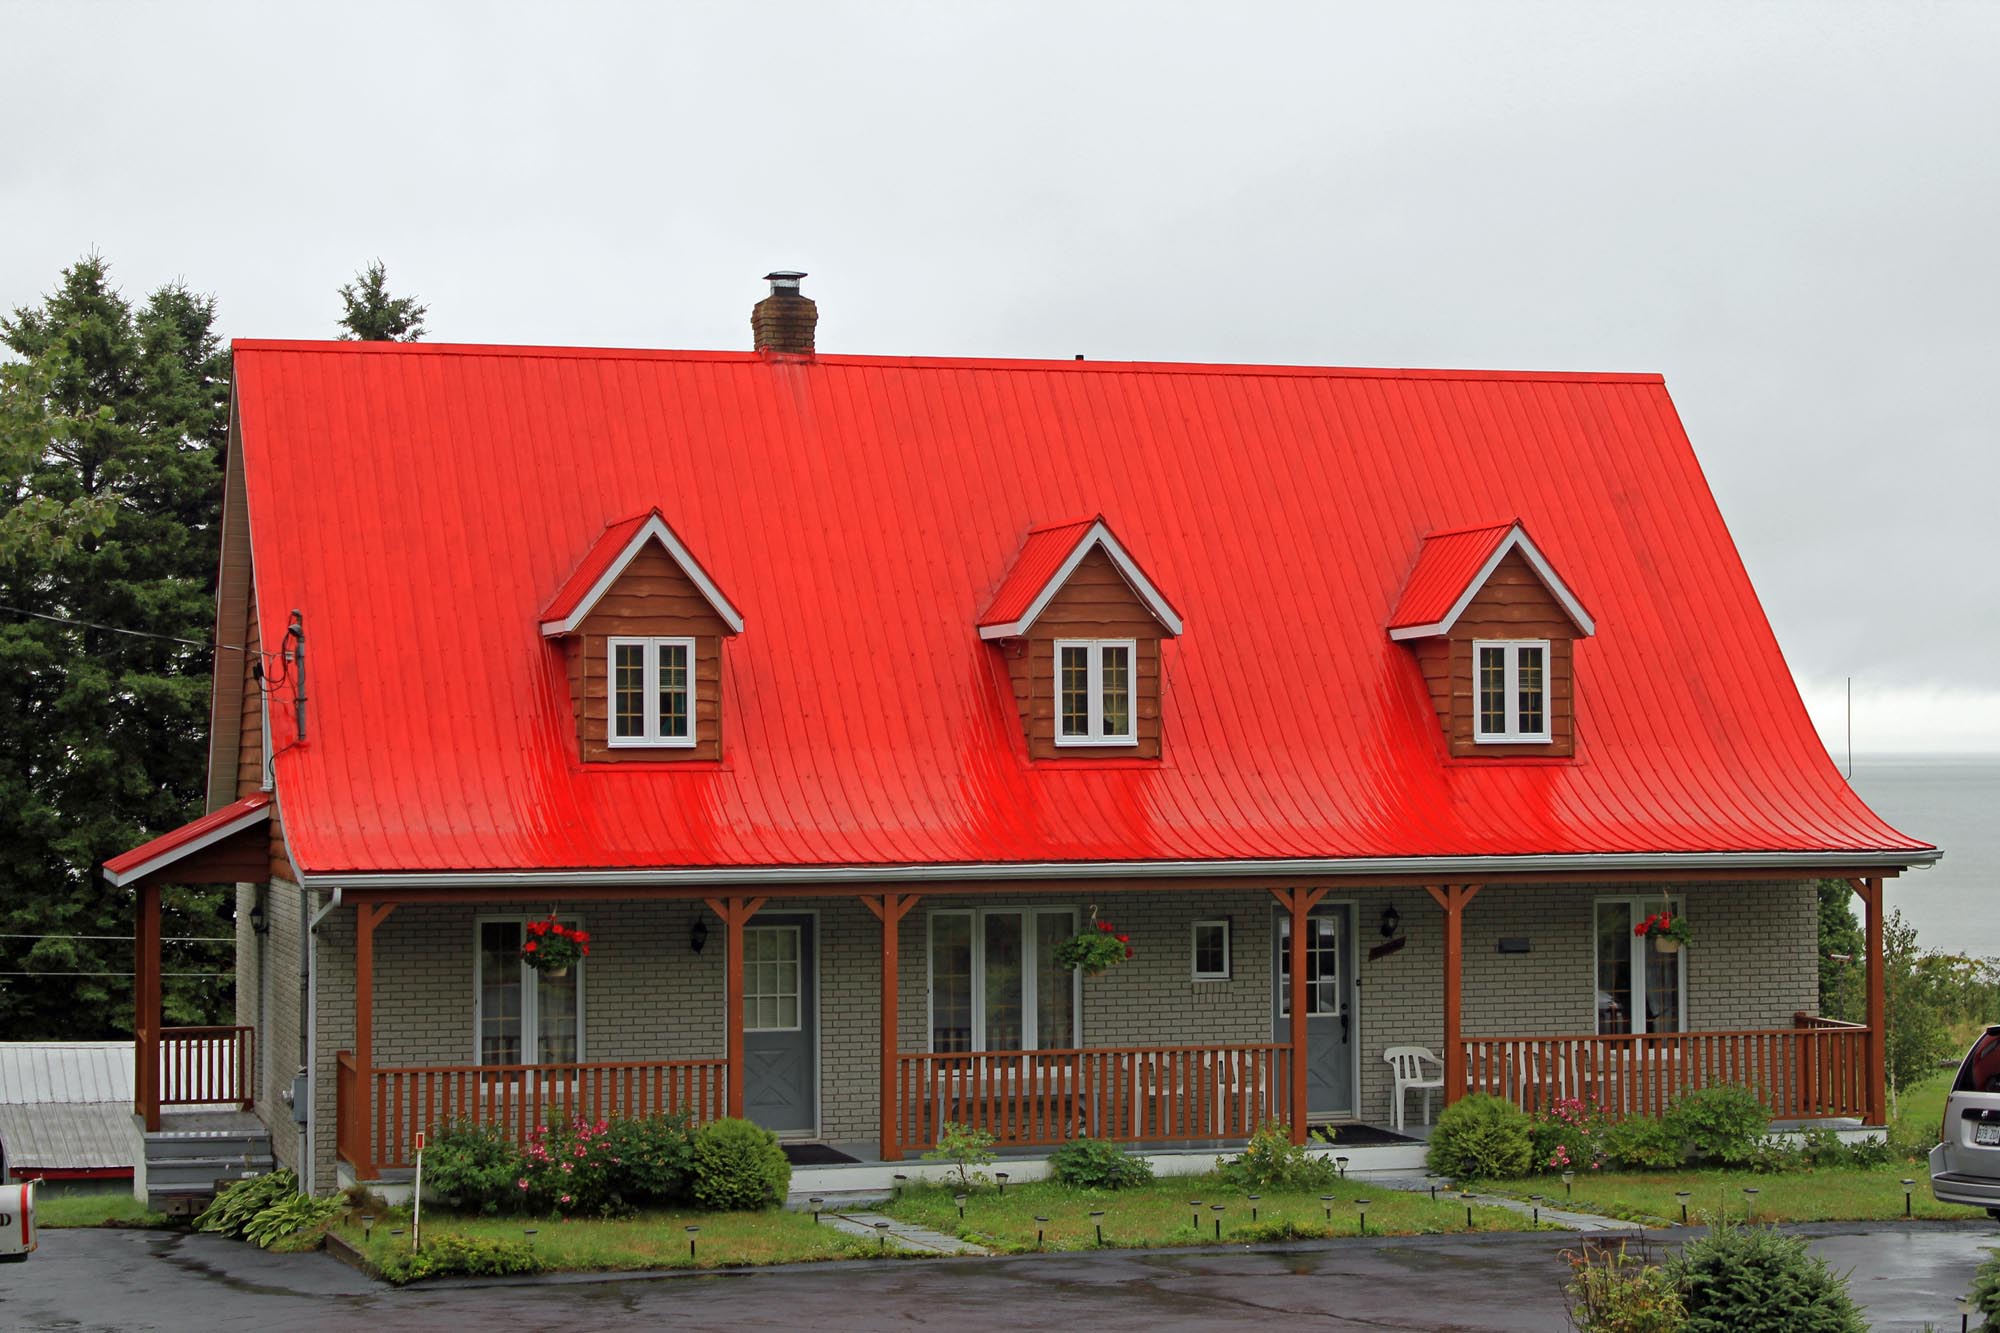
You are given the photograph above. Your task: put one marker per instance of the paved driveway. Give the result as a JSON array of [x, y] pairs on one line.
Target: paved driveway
[[152, 1280]]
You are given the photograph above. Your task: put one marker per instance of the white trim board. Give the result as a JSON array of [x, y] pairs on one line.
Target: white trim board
[[1098, 537], [653, 529], [1515, 540]]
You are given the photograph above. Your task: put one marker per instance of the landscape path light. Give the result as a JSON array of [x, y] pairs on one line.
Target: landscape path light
[[1341, 1162], [881, 1236], [1536, 1200], [1195, 1206], [367, 1226], [817, 1203], [1909, 1186], [1432, 1177], [1040, 1222], [1001, 1176], [1326, 1202], [1361, 1211], [692, 1232], [1749, 1202], [1253, 1206], [1569, 1178], [1467, 1195], [1217, 1208], [1684, 1196], [959, 1199], [528, 1232], [897, 1188], [1097, 1220]]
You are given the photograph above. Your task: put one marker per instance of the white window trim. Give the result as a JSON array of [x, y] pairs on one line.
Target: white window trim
[[1030, 977], [1194, 950], [1638, 908], [1513, 735], [798, 961], [1094, 673], [649, 671], [530, 1018]]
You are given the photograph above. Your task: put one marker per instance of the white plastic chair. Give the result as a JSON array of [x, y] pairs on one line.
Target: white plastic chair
[[1407, 1063]]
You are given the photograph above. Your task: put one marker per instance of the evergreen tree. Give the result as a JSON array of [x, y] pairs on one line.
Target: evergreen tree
[[113, 421], [370, 314], [1842, 969]]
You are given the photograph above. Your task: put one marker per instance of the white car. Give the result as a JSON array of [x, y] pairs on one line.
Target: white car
[[1965, 1166]]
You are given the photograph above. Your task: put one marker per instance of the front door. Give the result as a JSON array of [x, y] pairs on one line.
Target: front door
[[1329, 1007], [780, 1027]]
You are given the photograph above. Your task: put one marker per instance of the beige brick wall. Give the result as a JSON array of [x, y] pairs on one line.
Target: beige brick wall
[[648, 996], [268, 994]]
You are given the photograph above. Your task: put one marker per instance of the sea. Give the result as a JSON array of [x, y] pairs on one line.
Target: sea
[[1954, 802]]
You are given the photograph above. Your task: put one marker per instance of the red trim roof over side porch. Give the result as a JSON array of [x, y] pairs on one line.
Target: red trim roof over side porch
[[189, 838]]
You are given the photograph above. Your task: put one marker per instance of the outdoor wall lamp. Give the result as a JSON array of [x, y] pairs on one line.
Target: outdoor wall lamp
[[698, 936], [1392, 920], [257, 923]]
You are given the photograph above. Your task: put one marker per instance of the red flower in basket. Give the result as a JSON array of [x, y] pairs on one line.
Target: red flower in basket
[[1669, 932], [553, 947], [1093, 951]]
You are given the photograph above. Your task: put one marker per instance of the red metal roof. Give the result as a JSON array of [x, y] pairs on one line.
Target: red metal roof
[[1046, 558], [189, 838], [1453, 565], [422, 503]]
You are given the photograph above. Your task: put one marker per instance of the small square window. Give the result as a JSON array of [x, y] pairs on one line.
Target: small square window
[[663, 714], [1094, 691], [1211, 950], [1511, 680]]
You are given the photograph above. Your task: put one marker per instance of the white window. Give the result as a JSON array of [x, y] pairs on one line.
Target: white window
[[1640, 988], [650, 690], [1511, 690], [1211, 950], [1094, 691], [994, 982], [521, 1016]]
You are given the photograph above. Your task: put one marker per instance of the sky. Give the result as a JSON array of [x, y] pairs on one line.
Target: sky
[[1790, 210]]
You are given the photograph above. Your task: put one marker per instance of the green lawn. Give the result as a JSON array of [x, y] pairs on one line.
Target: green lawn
[[107, 1209], [1160, 1214], [647, 1240], [1829, 1194]]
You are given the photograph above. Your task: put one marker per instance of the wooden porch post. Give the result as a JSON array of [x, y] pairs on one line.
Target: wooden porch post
[[367, 916], [1870, 892], [1453, 898], [1299, 903], [890, 909], [146, 1004], [735, 914]]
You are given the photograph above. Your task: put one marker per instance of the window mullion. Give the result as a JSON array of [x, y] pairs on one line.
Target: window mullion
[[650, 667], [1095, 659], [1031, 949], [1511, 661]]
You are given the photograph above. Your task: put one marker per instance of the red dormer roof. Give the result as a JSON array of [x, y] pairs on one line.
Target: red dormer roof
[[1452, 567], [1047, 558], [864, 509], [606, 560]]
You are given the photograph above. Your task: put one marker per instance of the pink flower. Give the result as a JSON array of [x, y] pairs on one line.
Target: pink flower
[[566, 1168], [565, 1198], [523, 1182]]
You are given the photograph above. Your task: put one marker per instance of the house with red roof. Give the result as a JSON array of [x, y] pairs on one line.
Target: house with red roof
[[840, 702]]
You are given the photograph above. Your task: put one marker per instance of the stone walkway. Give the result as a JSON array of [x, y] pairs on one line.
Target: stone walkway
[[905, 1235], [1550, 1210]]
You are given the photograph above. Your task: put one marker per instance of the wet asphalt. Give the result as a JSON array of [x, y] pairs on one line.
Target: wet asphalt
[[1908, 1275]]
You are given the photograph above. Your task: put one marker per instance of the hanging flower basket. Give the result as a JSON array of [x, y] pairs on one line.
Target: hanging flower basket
[[1667, 931], [1094, 950], [554, 948]]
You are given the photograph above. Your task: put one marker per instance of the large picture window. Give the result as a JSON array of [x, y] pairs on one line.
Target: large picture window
[[523, 1017], [1639, 989], [1094, 691], [1511, 686], [651, 692], [994, 982]]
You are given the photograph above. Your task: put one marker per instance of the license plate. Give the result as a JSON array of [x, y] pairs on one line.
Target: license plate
[[1986, 1135]]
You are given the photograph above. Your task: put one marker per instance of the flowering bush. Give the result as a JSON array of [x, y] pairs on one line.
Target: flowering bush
[[569, 1167], [1572, 1134], [553, 947], [1094, 950], [1666, 926]]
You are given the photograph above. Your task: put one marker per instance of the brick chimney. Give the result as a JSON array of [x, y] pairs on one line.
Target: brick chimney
[[784, 321]]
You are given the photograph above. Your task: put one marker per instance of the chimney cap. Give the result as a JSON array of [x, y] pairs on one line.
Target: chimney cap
[[784, 279]]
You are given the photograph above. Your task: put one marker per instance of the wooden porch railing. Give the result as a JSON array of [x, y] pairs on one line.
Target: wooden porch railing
[[1130, 1094], [514, 1098], [214, 1066], [1809, 1071]]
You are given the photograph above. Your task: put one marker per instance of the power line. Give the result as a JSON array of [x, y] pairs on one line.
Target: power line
[[135, 633], [113, 974], [164, 939]]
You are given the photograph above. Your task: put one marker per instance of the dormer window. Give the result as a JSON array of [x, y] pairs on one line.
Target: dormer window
[[1094, 691], [652, 691], [1513, 691]]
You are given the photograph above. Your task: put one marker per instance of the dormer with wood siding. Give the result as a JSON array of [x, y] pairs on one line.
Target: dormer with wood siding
[[1080, 626], [1493, 628], [641, 627]]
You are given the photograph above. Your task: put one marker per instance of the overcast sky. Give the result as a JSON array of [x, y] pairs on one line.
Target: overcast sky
[[1790, 210]]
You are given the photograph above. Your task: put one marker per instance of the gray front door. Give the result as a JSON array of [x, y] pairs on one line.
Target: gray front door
[[1329, 1007], [780, 1027]]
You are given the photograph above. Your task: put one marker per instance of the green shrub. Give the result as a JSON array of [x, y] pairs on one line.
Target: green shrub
[[1720, 1124], [1482, 1137], [652, 1159], [1738, 1277], [1771, 1154], [1097, 1164], [739, 1165], [1644, 1143], [1985, 1294], [475, 1168], [448, 1255], [1571, 1135], [1272, 1161], [567, 1168], [295, 1217], [1610, 1291], [235, 1207], [966, 1149]]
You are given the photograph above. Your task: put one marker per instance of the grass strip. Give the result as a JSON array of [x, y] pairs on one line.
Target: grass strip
[[105, 1209]]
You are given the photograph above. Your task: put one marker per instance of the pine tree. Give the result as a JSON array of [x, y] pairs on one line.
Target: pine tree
[[372, 315], [113, 423]]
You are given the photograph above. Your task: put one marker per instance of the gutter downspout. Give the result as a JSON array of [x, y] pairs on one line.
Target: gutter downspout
[[310, 1012]]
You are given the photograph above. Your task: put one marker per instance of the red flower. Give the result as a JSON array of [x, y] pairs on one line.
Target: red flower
[[529, 947], [1104, 925], [581, 936], [1124, 939], [1128, 951]]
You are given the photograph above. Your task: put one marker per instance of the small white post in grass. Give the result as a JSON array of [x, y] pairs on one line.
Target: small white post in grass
[[417, 1199]]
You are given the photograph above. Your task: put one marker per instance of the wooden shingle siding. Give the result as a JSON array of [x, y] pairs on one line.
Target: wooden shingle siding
[[250, 713], [1513, 604], [651, 599], [233, 583], [1095, 603]]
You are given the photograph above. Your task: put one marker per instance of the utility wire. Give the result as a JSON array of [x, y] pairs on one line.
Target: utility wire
[[135, 633], [113, 974], [164, 939]]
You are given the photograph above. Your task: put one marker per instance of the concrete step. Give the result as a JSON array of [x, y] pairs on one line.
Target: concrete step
[[168, 1146], [200, 1174]]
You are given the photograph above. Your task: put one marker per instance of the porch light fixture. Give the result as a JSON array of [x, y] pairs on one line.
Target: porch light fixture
[[1391, 921], [1361, 1212], [257, 923], [698, 935]]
